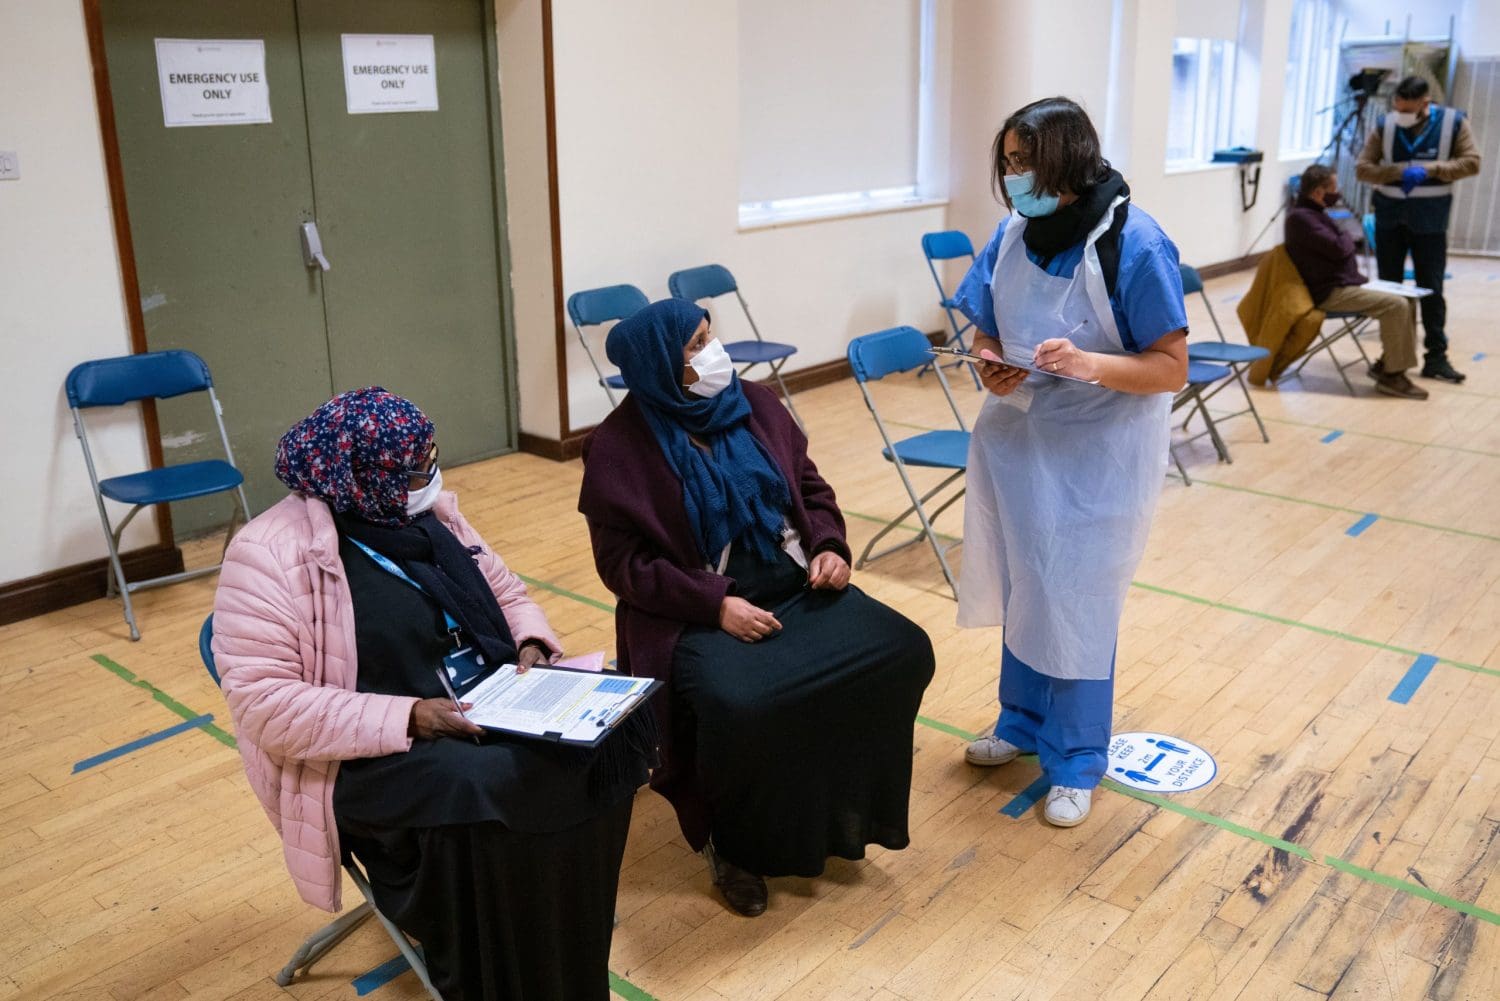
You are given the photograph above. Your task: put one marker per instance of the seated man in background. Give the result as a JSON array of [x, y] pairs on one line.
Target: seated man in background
[[1324, 256]]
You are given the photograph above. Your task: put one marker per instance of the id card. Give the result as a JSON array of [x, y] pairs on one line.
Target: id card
[[466, 667]]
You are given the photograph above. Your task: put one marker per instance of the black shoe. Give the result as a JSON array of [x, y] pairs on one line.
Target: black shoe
[[1399, 385], [743, 891], [1440, 369], [1377, 367]]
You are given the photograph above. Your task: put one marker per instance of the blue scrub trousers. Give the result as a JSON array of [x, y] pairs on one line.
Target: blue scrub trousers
[[1066, 722]]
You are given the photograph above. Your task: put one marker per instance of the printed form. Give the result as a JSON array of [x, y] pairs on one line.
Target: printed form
[[578, 707]]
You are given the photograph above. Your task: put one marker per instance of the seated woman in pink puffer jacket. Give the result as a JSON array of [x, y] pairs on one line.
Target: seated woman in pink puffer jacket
[[500, 855]]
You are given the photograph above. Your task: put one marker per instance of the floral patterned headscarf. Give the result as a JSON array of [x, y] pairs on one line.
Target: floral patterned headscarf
[[354, 452]]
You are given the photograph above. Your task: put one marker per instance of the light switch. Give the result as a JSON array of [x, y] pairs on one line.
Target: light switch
[[10, 166]]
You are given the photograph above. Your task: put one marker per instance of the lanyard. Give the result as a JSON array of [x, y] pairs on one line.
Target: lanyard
[[389, 566]]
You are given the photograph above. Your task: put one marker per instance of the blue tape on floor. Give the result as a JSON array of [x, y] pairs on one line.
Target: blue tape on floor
[[1413, 678], [1359, 526], [147, 741], [381, 975], [1330, 436], [1027, 798], [1479, 356]]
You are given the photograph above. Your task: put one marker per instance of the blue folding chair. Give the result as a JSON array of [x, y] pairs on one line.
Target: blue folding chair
[[320, 942], [713, 280], [946, 246], [596, 306], [872, 358], [155, 375], [1237, 356], [1201, 375]]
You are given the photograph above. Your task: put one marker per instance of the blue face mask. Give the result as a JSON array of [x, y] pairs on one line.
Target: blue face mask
[[1024, 200]]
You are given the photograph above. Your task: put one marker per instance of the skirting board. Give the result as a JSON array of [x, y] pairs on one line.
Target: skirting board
[[32, 596]]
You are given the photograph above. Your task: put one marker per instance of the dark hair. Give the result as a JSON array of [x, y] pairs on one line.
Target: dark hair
[[1061, 144], [1412, 88], [1313, 178]]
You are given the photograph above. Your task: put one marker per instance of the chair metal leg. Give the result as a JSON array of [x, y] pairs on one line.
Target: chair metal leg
[[413, 957], [1181, 470], [321, 941], [1239, 376], [786, 395], [927, 531]]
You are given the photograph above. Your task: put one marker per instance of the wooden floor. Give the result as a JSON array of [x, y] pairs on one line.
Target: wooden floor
[[1346, 848]]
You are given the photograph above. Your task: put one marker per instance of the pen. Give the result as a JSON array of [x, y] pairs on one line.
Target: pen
[[442, 674]]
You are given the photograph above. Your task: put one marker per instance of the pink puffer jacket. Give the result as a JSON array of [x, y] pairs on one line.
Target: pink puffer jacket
[[284, 646]]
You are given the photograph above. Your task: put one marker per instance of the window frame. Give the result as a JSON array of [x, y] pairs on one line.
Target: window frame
[[1311, 94], [1213, 113]]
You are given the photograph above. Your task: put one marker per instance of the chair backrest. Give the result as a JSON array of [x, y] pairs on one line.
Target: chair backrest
[[110, 382], [1192, 281], [600, 305], [206, 649], [899, 349], [946, 245], [705, 282]]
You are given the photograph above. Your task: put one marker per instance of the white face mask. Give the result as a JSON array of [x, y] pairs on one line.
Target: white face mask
[[1404, 119], [715, 370], [421, 501]]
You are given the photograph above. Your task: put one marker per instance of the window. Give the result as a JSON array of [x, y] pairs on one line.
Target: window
[[1307, 112], [1201, 116], [834, 106]]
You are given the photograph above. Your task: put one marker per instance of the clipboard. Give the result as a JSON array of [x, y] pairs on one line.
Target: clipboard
[[560, 705], [973, 359]]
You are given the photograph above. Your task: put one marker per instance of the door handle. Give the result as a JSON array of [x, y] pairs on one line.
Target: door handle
[[312, 247]]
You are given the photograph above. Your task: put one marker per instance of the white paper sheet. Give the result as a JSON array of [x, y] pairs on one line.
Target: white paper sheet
[[213, 82], [1396, 288], [389, 73], [577, 706]]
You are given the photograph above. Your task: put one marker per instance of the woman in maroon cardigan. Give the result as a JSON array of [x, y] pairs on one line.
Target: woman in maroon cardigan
[[791, 696]]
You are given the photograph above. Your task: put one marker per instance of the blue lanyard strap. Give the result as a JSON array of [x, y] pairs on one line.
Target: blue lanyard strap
[[1434, 122], [389, 566]]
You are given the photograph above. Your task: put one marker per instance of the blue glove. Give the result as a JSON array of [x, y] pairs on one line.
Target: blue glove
[[1411, 177]]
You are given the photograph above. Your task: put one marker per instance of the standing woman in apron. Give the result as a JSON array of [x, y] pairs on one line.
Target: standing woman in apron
[[1063, 475]]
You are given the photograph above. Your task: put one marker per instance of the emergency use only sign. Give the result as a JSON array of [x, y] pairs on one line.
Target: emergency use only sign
[[213, 81], [389, 73]]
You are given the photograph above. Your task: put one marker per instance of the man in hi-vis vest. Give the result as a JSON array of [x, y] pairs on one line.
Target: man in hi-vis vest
[[1412, 158]]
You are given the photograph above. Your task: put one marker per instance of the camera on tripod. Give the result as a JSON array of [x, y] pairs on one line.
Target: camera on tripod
[[1366, 83]]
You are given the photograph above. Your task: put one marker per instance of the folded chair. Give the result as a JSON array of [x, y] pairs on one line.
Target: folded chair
[[1201, 375], [322, 941], [946, 246], [1350, 325], [713, 280], [1238, 357], [872, 358], [155, 375], [596, 306]]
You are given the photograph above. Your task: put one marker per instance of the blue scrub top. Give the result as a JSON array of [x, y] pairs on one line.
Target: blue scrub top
[[1147, 300]]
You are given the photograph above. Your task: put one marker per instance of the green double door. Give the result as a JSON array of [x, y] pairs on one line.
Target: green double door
[[407, 206]]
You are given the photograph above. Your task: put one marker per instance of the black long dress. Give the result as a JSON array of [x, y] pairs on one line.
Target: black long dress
[[501, 858], [804, 739]]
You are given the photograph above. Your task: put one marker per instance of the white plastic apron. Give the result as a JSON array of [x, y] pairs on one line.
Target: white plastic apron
[[1061, 484]]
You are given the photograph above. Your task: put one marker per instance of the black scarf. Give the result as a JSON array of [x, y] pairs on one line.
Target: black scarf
[[447, 571], [1048, 236]]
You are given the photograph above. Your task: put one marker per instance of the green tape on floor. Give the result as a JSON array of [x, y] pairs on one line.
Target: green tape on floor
[[162, 697], [625, 989], [1382, 437], [1347, 510], [581, 598]]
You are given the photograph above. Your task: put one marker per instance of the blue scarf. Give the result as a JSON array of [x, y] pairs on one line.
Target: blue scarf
[[734, 493]]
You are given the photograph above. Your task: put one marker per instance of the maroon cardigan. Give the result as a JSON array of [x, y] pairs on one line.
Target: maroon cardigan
[[647, 554]]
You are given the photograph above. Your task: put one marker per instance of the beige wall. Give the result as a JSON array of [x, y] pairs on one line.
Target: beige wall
[[61, 300]]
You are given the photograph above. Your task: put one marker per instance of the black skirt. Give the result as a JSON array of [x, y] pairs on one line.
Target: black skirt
[[501, 914], [804, 740]]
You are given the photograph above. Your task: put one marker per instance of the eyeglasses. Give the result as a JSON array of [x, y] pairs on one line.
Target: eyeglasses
[[426, 473], [1017, 163]]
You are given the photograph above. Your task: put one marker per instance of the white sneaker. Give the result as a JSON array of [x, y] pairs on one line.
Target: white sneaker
[[990, 751], [1068, 807]]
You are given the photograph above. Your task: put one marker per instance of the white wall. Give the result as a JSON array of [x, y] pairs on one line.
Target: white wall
[[518, 25], [1479, 29], [1005, 58], [648, 159], [61, 300]]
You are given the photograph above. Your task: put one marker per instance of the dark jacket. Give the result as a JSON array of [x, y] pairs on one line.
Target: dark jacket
[[1323, 253], [646, 553]]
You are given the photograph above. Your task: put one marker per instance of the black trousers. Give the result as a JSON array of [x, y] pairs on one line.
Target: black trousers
[[1429, 259]]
